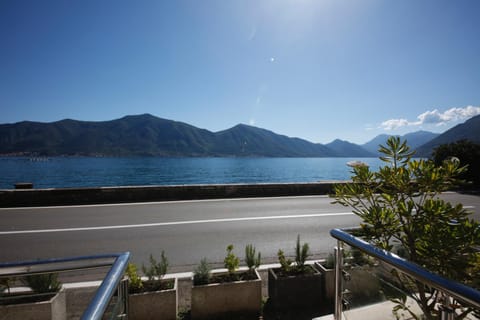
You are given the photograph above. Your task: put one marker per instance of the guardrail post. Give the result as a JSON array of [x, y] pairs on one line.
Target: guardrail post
[[338, 280]]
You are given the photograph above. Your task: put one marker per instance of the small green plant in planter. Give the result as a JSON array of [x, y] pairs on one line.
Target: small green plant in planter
[[285, 264], [154, 297], [225, 295], [43, 283], [156, 269], [295, 284], [154, 272], [135, 284], [47, 299], [302, 252], [44, 287], [231, 262], [201, 274], [252, 259]]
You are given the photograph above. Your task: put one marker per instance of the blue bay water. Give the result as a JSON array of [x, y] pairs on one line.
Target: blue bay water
[[67, 172]]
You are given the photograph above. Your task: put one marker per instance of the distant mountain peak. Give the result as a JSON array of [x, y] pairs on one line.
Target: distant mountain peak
[[140, 115], [420, 131], [347, 149], [143, 116], [414, 140], [338, 141], [243, 126]]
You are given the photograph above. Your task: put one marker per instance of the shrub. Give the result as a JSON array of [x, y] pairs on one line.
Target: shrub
[[253, 261], [231, 261], [285, 264], [156, 270], [135, 283], [202, 275], [43, 283], [302, 252], [399, 205]]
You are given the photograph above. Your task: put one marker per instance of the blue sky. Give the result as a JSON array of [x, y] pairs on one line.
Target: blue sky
[[314, 69]]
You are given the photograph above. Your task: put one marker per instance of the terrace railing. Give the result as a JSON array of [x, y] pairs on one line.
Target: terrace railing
[[110, 299], [368, 273]]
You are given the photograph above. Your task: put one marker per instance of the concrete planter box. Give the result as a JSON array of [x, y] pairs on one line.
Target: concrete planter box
[[328, 281], [154, 305], [78, 297], [52, 309], [223, 299], [300, 291]]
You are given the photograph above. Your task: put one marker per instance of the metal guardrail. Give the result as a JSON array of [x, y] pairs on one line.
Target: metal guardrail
[[461, 292], [110, 284]]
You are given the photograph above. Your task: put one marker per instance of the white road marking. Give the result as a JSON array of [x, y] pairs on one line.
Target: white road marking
[[174, 223]]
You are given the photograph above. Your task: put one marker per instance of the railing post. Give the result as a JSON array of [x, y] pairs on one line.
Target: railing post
[[338, 280], [125, 298], [446, 311]]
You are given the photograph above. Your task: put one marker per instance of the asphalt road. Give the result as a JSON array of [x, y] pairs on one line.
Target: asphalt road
[[186, 230]]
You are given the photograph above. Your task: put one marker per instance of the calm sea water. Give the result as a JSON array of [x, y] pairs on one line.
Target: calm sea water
[[86, 172]]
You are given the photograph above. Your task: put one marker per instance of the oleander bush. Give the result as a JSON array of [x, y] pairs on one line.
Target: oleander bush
[[400, 207]]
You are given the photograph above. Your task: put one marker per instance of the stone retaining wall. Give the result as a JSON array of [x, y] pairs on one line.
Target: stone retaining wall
[[104, 195]]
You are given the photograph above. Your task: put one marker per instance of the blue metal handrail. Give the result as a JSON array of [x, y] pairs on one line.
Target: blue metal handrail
[[11, 269], [105, 292], [456, 290]]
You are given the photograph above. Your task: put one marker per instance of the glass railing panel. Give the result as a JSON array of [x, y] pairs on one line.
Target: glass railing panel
[[117, 308], [94, 284], [361, 278], [376, 279]]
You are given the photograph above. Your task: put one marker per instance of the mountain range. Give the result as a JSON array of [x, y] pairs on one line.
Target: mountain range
[[147, 135]]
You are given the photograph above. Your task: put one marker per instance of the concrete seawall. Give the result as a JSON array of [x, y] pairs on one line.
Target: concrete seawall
[[105, 195]]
